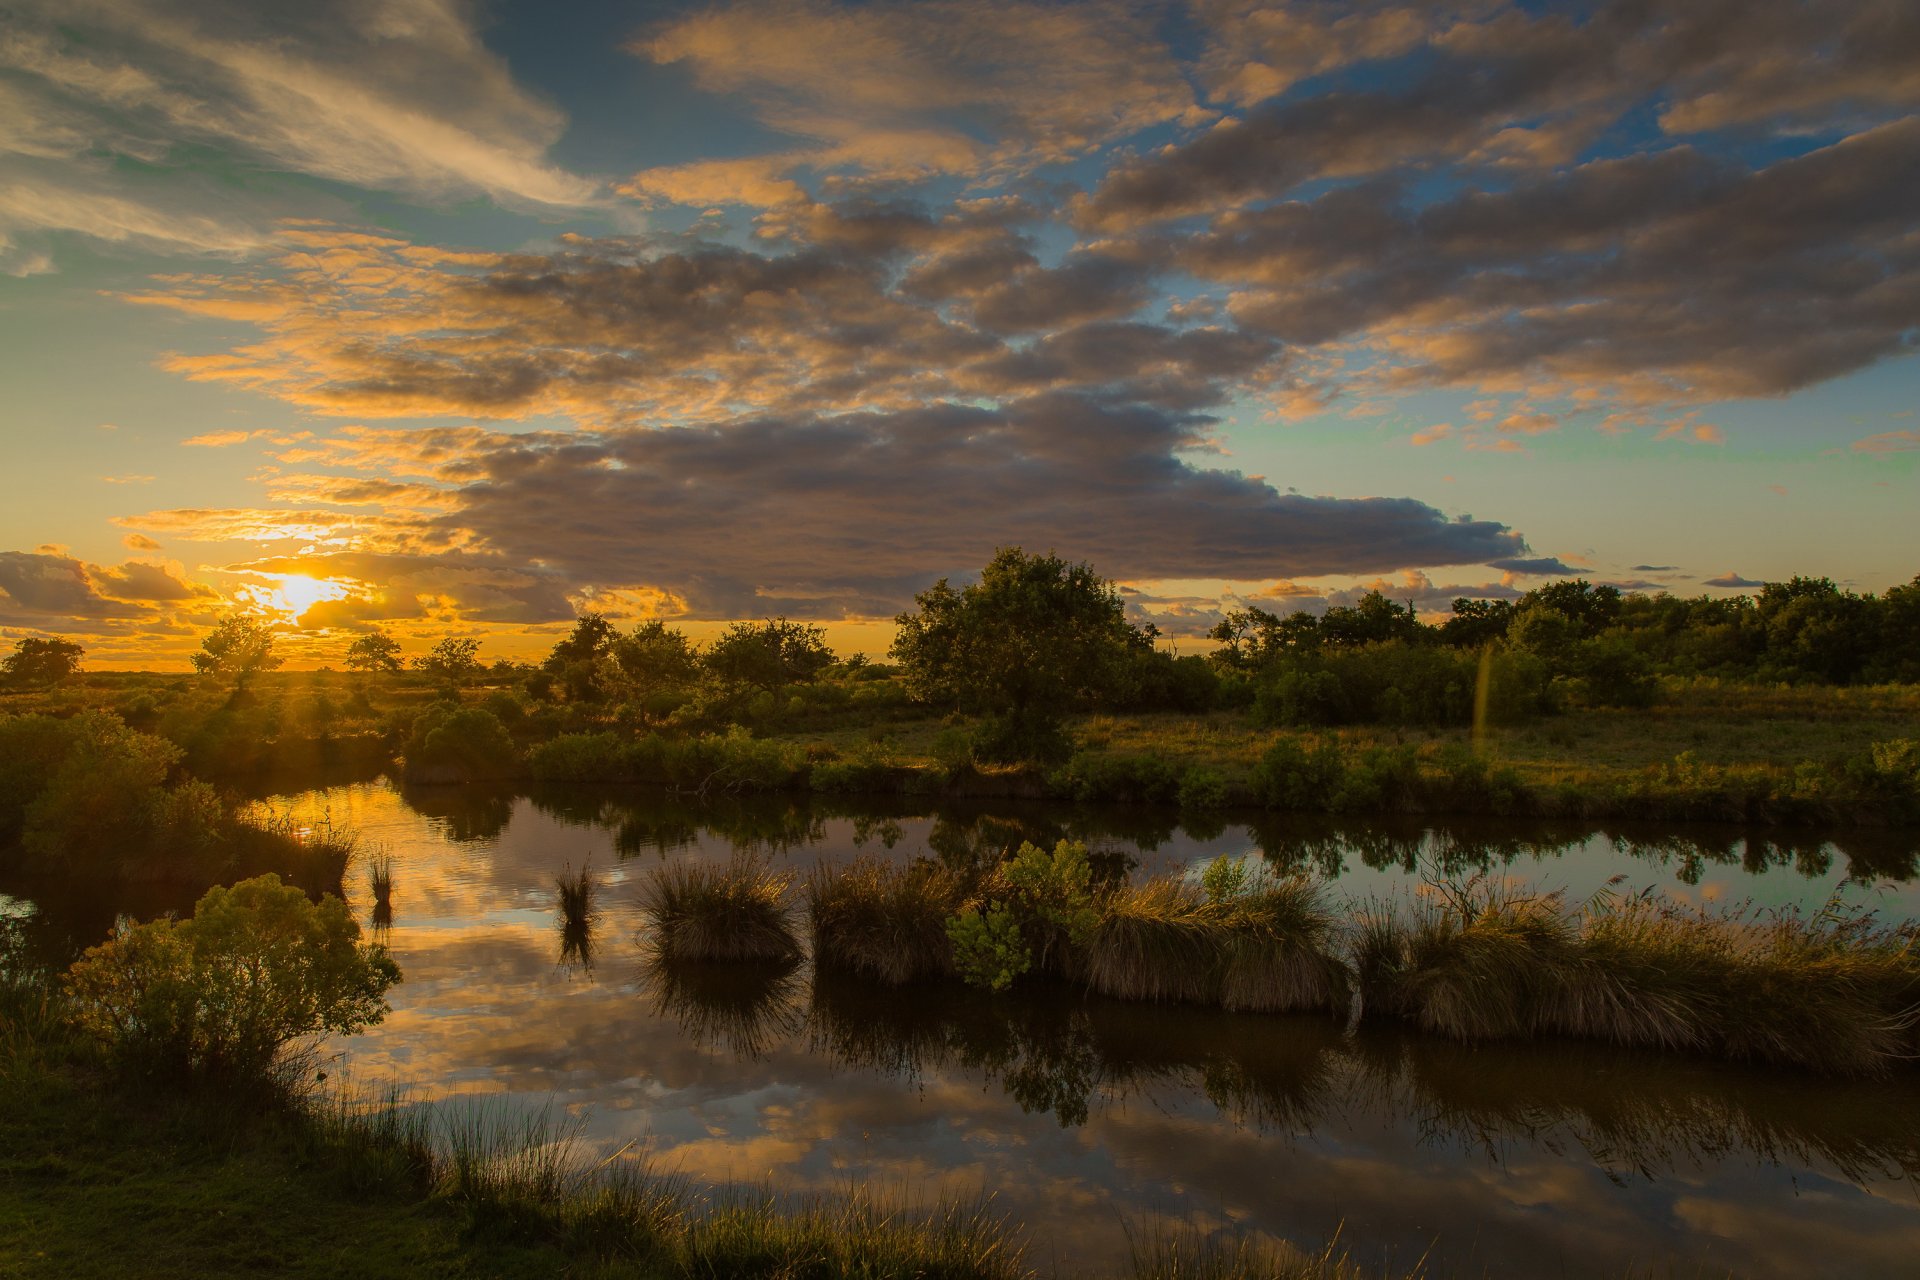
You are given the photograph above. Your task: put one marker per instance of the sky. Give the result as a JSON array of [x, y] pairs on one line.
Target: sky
[[463, 319]]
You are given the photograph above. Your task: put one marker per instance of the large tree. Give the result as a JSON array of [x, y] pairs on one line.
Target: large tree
[[239, 645], [36, 661], [375, 651], [1033, 639], [767, 655]]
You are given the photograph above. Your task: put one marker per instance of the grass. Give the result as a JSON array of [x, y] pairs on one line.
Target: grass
[[578, 913], [1156, 941], [1834, 994], [736, 912], [745, 1008], [883, 921], [1183, 1251]]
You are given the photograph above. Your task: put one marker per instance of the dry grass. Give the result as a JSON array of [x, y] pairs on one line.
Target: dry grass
[[1157, 941], [883, 921], [1283, 950], [735, 912]]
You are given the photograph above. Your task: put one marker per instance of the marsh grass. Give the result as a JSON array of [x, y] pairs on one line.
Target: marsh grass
[[883, 921], [1834, 993], [577, 896], [1283, 950], [1157, 941], [1165, 1251], [735, 912]]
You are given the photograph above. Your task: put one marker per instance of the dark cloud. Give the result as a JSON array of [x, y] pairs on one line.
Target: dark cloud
[[476, 588], [41, 583], [1534, 566], [1732, 579], [848, 515], [1653, 568], [1673, 275], [1506, 86]]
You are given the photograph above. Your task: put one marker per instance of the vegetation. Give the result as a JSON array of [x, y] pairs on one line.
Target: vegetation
[[1034, 638], [37, 661], [222, 993], [240, 646], [882, 920], [735, 912], [374, 652]]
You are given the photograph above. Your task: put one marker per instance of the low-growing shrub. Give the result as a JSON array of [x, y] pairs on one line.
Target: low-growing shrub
[[225, 991], [735, 912]]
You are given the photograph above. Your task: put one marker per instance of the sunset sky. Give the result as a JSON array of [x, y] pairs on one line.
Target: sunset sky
[[463, 318]]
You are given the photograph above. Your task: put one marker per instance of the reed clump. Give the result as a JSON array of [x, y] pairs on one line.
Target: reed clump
[[1282, 950], [1157, 941], [883, 921], [1834, 993], [734, 912], [577, 895]]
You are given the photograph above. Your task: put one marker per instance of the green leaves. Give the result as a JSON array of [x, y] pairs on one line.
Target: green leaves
[[222, 992]]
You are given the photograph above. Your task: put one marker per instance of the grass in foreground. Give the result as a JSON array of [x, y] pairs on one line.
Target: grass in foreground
[[735, 912]]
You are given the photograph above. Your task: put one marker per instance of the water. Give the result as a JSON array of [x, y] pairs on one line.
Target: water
[[1080, 1115]]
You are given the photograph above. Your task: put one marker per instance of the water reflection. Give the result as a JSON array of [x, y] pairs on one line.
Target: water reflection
[[1563, 1159]]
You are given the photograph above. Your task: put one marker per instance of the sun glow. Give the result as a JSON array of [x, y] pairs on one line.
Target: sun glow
[[293, 593]]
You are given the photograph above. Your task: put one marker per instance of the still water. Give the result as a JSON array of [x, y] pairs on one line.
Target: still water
[[1079, 1115]]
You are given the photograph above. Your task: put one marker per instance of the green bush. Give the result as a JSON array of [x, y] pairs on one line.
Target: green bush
[[1202, 788], [452, 743], [1288, 776], [223, 992], [989, 949]]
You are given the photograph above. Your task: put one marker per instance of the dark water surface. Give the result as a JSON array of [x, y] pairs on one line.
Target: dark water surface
[[1079, 1114]]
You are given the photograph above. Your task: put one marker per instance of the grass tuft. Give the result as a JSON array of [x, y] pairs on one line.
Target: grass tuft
[[735, 912], [1283, 950], [1156, 941], [883, 921]]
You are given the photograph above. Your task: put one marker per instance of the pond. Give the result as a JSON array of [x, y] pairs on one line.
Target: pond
[[1081, 1116]]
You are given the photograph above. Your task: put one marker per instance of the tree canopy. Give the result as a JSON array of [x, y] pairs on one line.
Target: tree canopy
[[375, 651], [1034, 638], [240, 645], [35, 661]]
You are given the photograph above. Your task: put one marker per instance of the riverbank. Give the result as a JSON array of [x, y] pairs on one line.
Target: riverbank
[[101, 1176]]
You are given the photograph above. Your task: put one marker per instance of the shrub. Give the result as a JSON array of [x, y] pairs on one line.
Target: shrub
[[1202, 788], [451, 743], [989, 949], [1288, 776], [223, 992]]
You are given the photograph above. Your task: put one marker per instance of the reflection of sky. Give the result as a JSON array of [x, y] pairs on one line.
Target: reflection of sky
[[1528, 1161]]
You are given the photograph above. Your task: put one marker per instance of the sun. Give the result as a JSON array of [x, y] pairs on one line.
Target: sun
[[294, 593]]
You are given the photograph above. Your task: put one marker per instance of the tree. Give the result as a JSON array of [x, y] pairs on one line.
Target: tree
[[35, 661], [655, 656], [1034, 638], [770, 654], [452, 661], [592, 638], [221, 993], [240, 645], [375, 651]]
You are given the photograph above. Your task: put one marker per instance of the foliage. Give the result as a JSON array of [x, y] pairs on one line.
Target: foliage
[[1034, 638], [375, 651], [240, 645], [592, 638], [464, 744], [654, 656], [223, 992], [35, 661], [769, 655], [735, 912], [455, 660], [989, 948]]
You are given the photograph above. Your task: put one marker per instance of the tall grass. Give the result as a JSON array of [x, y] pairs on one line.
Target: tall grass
[[1834, 993], [742, 1008], [883, 921], [735, 912], [578, 912], [1283, 950], [1163, 1251], [1156, 941]]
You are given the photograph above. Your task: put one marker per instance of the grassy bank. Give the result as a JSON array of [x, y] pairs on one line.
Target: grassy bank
[[103, 1175], [1788, 755], [1832, 994]]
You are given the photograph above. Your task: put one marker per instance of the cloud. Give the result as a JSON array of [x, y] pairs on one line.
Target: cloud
[[1534, 566], [1504, 86], [909, 90], [49, 582], [398, 96], [1732, 579], [849, 514], [1654, 568], [219, 439], [1888, 442], [138, 542], [463, 587]]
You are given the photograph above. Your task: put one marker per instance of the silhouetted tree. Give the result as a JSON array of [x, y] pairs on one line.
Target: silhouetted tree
[[375, 651], [769, 654], [35, 662], [452, 661], [240, 645]]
